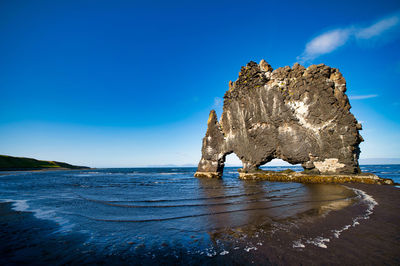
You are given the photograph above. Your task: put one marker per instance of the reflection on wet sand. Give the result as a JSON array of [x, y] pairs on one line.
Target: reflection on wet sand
[[323, 197], [255, 208], [237, 216], [259, 209], [214, 193]]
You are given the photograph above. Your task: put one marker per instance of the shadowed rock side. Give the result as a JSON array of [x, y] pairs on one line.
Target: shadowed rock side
[[300, 115]]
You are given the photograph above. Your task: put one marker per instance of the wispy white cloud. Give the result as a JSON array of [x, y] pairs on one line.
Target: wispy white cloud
[[362, 97], [378, 28], [325, 43], [329, 41]]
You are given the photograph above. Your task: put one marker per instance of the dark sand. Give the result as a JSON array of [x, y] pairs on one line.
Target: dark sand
[[375, 241]]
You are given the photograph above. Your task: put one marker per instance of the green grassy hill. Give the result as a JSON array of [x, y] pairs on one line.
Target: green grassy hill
[[9, 163]]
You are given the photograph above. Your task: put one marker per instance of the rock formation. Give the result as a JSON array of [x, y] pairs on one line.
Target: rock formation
[[300, 115]]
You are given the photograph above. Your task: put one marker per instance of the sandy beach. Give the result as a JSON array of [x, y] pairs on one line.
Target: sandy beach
[[374, 241]]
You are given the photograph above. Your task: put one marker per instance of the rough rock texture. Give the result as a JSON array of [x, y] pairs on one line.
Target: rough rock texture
[[291, 176], [300, 115]]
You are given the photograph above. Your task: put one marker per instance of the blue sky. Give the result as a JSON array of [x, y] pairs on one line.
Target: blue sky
[[125, 83]]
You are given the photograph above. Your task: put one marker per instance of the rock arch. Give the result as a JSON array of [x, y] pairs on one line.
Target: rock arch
[[300, 115]]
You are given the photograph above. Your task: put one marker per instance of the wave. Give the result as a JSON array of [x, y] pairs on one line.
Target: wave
[[177, 200], [370, 201], [263, 199], [17, 205], [180, 205], [321, 241], [184, 216], [191, 199], [170, 173], [23, 206]]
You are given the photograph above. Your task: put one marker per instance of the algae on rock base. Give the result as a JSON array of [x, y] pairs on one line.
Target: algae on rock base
[[292, 176]]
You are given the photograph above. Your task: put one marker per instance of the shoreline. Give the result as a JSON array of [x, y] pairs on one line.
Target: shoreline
[[43, 170], [374, 240]]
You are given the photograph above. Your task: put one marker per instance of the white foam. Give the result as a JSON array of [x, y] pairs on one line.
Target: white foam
[[83, 174], [65, 225], [224, 253], [23, 206], [17, 205], [211, 254], [371, 202], [321, 241], [168, 173], [247, 249], [298, 244]]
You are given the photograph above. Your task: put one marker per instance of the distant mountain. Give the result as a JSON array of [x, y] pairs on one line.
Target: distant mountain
[[379, 161], [10, 163], [170, 165]]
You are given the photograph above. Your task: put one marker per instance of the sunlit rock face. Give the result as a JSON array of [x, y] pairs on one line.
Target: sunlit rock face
[[300, 115]]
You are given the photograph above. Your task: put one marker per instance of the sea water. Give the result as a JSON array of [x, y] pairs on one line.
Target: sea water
[[166, 211]]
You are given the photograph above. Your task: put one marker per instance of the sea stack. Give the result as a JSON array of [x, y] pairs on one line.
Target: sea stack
[[297, 114]]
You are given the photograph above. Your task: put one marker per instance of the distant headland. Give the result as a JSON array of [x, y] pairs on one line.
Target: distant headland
[[10, 163]]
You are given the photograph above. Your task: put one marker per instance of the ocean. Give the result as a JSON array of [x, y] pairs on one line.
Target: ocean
[[165, 215]]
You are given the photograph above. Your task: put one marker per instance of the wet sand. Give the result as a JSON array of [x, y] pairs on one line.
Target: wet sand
[[374, 241]]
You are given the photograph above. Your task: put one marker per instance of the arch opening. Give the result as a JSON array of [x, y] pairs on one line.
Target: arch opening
[[281, 165], [232, 160], [231, 164]]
